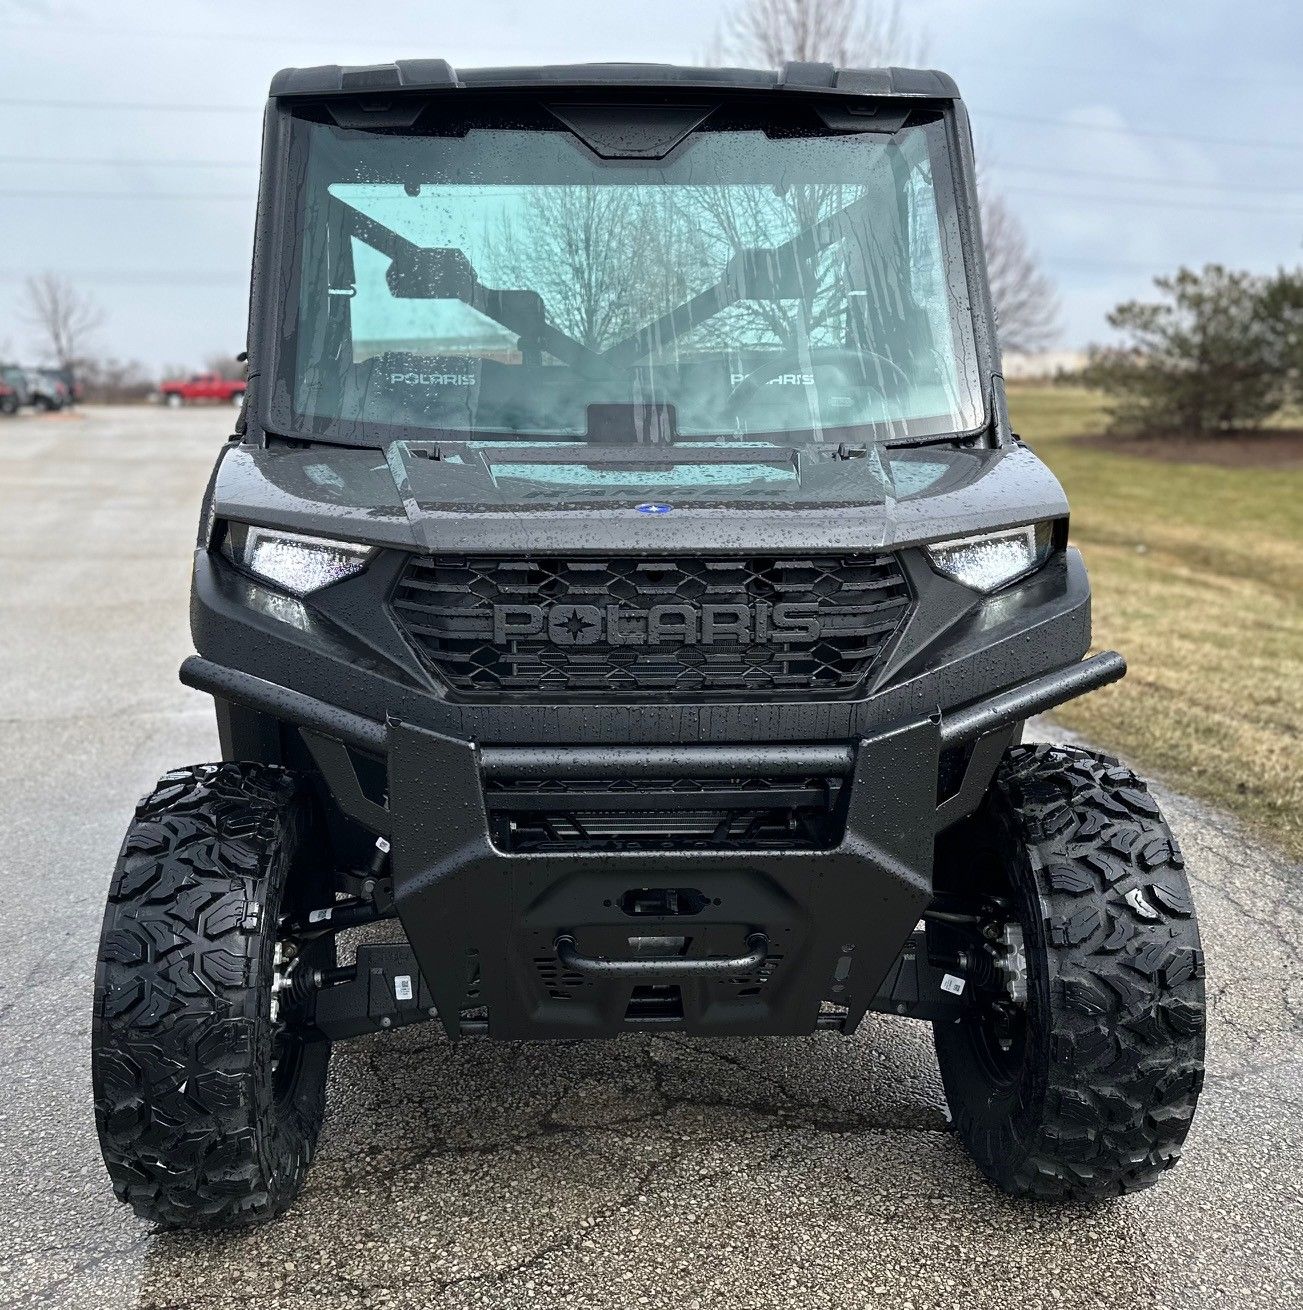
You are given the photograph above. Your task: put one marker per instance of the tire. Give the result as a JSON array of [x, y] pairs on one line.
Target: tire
[[208, 1113], [1094, 1090], [173, 401], [9, 406]]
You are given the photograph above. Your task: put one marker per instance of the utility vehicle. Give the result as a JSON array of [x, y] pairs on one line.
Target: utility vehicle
[[176, 392], [623, 595]]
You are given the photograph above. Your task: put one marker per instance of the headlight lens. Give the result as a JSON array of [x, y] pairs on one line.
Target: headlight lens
[[994, 559], [297, 563]]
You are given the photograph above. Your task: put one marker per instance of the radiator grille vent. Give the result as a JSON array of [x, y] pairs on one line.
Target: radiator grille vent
[[638, 628]]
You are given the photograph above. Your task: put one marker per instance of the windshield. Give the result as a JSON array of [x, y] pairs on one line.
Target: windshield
[[507, 283]]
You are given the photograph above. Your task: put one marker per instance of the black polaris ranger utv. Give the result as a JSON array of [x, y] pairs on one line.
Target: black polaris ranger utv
[[625, 594]]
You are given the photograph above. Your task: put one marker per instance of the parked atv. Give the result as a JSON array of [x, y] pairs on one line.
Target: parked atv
[[624, 584]]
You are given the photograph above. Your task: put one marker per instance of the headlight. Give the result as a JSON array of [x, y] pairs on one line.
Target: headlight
[[993, 559], [297, 563]]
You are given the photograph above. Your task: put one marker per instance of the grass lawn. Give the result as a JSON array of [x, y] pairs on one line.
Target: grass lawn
[[1197, 574]]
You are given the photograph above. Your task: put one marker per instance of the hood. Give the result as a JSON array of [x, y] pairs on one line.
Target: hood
[[419, 498]]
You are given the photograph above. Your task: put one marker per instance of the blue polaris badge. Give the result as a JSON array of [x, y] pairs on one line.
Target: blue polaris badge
[[651, 507]]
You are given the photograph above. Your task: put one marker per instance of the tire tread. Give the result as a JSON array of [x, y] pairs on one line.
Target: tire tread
[[189, 1127], [1125, 1006]]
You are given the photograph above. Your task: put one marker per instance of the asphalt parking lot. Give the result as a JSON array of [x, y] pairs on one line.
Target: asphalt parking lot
[[653, 1171]]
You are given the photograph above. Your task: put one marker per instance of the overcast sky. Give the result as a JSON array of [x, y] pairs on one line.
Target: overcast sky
[[1129, 137]]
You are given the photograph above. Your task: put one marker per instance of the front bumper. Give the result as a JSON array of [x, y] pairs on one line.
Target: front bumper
[[484, 923], [487, 925]]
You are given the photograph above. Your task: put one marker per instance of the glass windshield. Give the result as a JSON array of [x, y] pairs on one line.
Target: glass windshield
[[509, 284]]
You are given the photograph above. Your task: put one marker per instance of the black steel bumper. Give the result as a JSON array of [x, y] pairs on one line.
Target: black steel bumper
[[502, 931]]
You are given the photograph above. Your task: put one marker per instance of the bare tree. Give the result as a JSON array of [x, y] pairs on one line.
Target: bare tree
[[115, 381], [842, 32], [65, 318], [872, 33], [609, 261], [604, 259], [576, 248], [1026, 304], [732, 221], [224, 365]]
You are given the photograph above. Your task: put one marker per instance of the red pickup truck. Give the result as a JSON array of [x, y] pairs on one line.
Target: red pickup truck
[[203, 386]]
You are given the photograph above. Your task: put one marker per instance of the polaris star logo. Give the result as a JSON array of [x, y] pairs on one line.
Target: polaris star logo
[[661, 625]]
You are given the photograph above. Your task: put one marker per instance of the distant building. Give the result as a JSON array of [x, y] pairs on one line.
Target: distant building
[[1019, 367]]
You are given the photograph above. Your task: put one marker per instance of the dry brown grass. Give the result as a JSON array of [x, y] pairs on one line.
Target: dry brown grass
[[1197, 572]]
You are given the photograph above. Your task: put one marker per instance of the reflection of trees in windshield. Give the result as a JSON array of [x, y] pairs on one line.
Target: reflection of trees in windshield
[[574, 249], [607, 260], [735, 219]]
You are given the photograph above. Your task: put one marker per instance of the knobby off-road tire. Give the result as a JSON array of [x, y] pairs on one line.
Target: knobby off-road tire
[[1097, 1093], [206, 1119]]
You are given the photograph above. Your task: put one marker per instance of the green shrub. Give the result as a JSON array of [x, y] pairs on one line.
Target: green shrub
[[1209, 356]]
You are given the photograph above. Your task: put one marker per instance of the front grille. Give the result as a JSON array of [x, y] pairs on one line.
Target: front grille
[[498, 628], [675, 814]]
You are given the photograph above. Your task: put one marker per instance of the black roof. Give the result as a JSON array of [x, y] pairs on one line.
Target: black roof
[[439, 75]]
